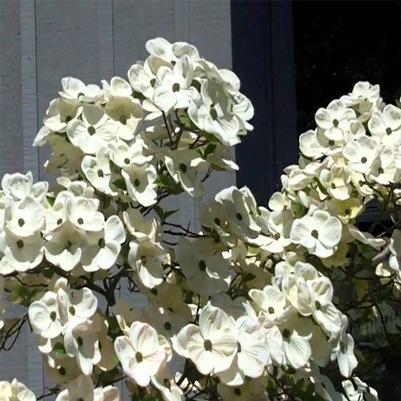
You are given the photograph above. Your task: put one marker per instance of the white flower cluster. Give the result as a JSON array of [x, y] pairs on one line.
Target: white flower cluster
[[68, 230], [70, 332], [252, 305], [176, 117]]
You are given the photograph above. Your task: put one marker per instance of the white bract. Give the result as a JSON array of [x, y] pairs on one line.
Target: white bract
[[142, 352], [318, 232], [15, 391], [212, 345]]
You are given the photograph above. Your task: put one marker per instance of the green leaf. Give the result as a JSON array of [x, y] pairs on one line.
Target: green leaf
[[160, 212], [210, 148], [165, 181], [120, 183], [248, 277], [366, 250], [58, 350]]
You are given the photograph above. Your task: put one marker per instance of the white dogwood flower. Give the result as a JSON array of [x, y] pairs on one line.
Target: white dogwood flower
[[140, 182], [94, 131], [44, 316], [76, 306], [334, 120], [252, 353], [25, 218], [75, 91], [15, 391], [19, 186], [83, 389], [147, 259], [386, 125], [173, 86], [105, 246], [318, 232], [212, 345], [205, 268], [81, 342], [362, 153], [83, 214], [141, 353], [98, 172]]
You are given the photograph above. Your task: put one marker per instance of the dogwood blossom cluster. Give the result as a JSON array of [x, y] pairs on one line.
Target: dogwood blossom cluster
[[170, 122], [263, 302]]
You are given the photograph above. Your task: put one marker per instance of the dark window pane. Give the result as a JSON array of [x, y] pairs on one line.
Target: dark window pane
[[340, 43]]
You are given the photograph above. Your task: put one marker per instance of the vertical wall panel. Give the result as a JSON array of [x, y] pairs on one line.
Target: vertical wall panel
[[67, 45], [136, 21], [13, 362], [28, 86], [11, 149]]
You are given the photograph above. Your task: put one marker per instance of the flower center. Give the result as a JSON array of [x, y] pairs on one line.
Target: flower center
[[80, 341], [286, 334], [91, 130], [315, 234], [20, 243], [207, 344], [364, 160], [202, 265], [176, 87], [53, 316], [138, 357], [335, 123], [21, 222], [182, 167]]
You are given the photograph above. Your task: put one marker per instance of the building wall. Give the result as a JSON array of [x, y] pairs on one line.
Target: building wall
[[42, 41]]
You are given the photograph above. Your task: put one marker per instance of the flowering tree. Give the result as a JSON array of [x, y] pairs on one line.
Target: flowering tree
[[260, 303]]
